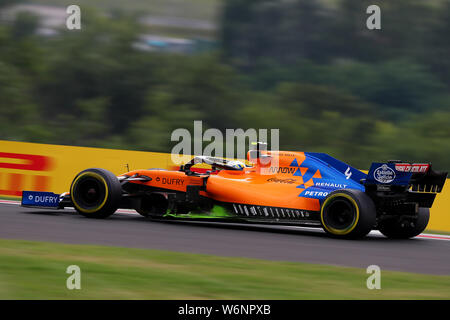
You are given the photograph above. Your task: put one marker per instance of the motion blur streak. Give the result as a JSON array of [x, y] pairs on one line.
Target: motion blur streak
[[68, 161], [133, 212], [271, 243]]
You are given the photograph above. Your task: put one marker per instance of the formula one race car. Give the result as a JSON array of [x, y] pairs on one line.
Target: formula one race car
[[279, 187]]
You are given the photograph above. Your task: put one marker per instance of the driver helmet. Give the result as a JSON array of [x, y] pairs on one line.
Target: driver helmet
[[236, 164]]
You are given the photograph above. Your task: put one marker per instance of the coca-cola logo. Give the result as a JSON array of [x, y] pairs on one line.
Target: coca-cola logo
[[288, 181], [384, 174]]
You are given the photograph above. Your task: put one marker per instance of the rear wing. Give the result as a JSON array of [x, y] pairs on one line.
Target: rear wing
[[419, 179], [431, 181]]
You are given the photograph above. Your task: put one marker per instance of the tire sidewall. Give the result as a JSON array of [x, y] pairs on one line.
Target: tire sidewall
[[393, 230], [365, 210], [113, 193]]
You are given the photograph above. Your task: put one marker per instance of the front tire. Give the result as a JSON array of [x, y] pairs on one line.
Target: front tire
[[397, 229], [348, 213], [96, 193]]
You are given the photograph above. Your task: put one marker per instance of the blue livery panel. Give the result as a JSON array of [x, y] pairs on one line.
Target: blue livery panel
[[348, 172], [40, 199], [387, 174], [322, 174]]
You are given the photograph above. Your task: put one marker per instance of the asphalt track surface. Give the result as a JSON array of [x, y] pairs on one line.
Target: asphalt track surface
[[419, 255]]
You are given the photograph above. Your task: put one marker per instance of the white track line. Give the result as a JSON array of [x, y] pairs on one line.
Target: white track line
[[375, 233]]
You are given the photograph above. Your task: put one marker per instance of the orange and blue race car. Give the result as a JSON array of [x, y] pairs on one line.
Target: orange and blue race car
[[278, 187]]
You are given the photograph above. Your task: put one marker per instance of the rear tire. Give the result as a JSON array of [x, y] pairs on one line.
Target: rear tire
[[393, 228], [96, 193], [348, 213]]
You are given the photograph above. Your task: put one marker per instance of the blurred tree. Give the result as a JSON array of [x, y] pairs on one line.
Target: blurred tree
[[235, 20], [349, 37], [306, 67], [438, 54], [395, 84], [419, 138], [207, 85], [304, 31], [406, 26], [99, 62], [281, 30], [18, 114], [195, 88], [5, 3], [315, 100], [23, 50], [24, 25], [88, 126]]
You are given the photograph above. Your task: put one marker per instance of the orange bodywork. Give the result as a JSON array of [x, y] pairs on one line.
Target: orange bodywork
[[258, 185]]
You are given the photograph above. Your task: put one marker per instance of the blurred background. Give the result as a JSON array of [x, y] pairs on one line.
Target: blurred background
[[139, 69]]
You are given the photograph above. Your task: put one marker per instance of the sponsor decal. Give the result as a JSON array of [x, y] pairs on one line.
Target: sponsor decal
[[315, 193], [403, 167], [40, 199], [413, 168], [173, 181], [29, 161], [269, 211], [281, 170], [288, 181], [331, 185], [283, 154], [420, 167], [43, 199], [384, 174], [31, 172]]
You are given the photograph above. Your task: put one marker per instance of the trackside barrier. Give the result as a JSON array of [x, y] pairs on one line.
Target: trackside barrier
[[43, 167]]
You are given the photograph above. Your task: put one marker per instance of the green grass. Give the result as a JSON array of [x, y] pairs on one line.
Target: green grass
[[36, 270]]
